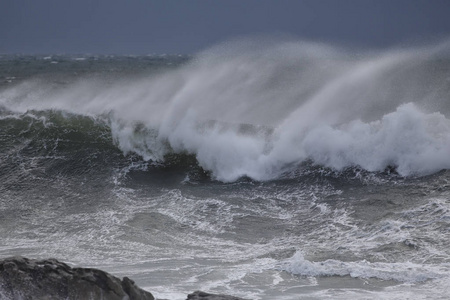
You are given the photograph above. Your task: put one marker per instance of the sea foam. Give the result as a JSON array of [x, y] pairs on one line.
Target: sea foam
[[403, 272]]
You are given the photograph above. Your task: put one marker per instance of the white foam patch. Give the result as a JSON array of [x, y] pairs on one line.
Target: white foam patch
[[403, 272], [208, 215]]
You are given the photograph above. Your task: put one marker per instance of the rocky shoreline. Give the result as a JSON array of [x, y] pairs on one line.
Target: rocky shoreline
[[50, 279]]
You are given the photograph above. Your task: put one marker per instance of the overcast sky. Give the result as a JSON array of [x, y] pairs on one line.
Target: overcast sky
[[188, 26]]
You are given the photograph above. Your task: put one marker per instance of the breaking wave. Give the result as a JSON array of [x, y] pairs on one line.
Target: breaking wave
[[259, 109]]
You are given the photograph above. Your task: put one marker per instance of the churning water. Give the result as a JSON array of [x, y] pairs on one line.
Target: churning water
[[267, 170]]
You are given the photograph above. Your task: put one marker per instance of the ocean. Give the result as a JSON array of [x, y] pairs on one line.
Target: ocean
[[264, 170]]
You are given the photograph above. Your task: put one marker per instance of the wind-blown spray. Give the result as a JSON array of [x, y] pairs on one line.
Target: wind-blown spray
[[260, 112]]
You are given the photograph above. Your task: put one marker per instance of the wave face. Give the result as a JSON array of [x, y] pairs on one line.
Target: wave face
[[255, 109]]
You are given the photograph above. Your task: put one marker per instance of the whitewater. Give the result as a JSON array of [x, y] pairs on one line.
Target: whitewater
[[262, 168]]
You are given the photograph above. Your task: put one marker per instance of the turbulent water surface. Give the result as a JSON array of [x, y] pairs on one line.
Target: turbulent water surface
[[266, 170]]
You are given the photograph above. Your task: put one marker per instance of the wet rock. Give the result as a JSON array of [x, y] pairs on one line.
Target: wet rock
[[198, 295], [29, 279]]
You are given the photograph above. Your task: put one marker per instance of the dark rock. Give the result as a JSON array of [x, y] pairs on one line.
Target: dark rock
[[198, 295], [28, 279]]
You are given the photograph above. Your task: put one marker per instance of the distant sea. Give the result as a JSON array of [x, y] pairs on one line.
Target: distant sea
[[287, 170]]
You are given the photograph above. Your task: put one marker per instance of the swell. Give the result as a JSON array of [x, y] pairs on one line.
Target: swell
[[55, 143]]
